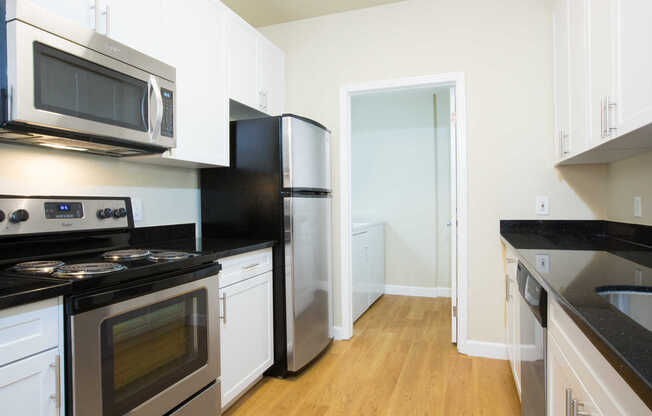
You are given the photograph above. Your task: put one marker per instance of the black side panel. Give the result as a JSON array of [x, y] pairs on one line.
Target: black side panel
[[245, 201]]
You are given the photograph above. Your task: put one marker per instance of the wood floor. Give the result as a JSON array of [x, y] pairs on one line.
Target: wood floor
[[399, 362]]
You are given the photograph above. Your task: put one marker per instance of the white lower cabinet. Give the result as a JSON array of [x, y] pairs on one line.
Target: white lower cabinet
[[246, 334], [31, 372], [368, 262], [512, 315], [580, 380], [29, 387]]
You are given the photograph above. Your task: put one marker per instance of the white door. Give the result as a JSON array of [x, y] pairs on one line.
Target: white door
[[29, 387], [360, 273], [246, 334], [453, 220], [578, 75], [79, 11], [271, 77], [633, 64], [561, 78], [600, 66], [242, 61]]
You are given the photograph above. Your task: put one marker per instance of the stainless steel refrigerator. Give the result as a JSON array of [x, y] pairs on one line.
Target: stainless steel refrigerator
[[278, 187]]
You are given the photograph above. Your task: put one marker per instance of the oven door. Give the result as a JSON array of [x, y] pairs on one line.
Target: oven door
[[148, 354], [58, 84]]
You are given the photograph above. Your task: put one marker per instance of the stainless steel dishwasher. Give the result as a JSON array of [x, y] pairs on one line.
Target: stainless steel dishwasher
[[533, 344]]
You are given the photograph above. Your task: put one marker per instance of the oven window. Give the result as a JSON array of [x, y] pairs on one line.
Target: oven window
[[149, 349], [69, 85]]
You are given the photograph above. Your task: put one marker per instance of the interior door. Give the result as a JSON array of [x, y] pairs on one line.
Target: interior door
[[308, 277], [453, 221]]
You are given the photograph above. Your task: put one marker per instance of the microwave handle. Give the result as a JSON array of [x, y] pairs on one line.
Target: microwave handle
[[153, 86]]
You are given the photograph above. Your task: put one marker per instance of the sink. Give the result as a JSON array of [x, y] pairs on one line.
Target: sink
[[633, 301]]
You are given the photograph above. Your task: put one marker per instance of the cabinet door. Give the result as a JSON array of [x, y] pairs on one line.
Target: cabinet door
[[564, 385], [242, 61], [196, 46], [360, 273], [561, 75], [633, 64], [600, 67], [78, 11], [140, 24], [29, 387], [246, 334], [578, 76], [271, 77]]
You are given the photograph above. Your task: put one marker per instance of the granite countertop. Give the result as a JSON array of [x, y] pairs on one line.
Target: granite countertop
[[587, 259], [19, 291], [221, 247]]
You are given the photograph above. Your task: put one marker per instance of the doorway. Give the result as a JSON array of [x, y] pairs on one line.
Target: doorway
[[373, 116]]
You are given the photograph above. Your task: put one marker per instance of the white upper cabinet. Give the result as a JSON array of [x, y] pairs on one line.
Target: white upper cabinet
[[610, 90], [271, 77], [256, 69], [561, 57], [79, 11], [632, 32], [242, 56]]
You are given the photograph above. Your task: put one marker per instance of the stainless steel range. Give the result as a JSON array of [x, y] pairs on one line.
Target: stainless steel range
[[142, 336]]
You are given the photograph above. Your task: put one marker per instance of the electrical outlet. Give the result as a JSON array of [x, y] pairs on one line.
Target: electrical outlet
[[543, 205], [638, 277], [543, 263], [137, 207], [638, 207]]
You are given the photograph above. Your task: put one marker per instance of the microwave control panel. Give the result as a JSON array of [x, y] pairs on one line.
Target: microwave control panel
[[167, 125]]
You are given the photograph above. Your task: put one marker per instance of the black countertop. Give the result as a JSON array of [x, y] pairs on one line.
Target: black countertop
[[586, 260], [16, 291]]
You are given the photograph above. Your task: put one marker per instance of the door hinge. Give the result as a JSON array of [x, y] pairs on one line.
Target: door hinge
[[455, 311]]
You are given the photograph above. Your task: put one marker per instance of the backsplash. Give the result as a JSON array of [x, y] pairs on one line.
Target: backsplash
[[169, 195], [625, 180]]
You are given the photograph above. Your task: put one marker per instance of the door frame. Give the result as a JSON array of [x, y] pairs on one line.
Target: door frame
[[453, 79]]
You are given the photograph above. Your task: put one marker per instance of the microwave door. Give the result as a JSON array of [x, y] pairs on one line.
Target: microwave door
[[62, 85]]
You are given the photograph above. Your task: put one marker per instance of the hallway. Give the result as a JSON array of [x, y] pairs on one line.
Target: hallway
[[400, 362]]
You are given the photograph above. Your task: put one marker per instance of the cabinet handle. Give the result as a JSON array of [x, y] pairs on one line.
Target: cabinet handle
[[506, 288], [223, 317], [569, 402], [576, 409], [251, 266], [611, 117], [603, 118], [511, 260], [107, 20], [56, 365], [96, 13]]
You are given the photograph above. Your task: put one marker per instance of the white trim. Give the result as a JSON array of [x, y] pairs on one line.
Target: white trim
[[493, 350], [425, 292], [346, 291], [338, 333]]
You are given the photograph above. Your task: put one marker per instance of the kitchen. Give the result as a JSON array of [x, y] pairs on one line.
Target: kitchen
[[299, 63]]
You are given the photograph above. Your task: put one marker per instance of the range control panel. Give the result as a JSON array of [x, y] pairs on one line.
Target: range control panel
[[33, 215]]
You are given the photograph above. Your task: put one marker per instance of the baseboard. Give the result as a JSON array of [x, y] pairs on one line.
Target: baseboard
[[494, 350], [338, 333], [425, 292]]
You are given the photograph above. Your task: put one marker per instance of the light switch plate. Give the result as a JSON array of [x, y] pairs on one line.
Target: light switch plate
[[543, 205], [638, 206], [543, 263], [137, 207]]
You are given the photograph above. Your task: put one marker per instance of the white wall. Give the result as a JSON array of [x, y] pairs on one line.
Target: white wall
[[627, 179], [169, 195], [505, 50], [394, 180]]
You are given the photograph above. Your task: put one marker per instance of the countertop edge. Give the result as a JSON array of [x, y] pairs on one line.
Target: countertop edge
[[619, 363], [222, 254], [35, 295]]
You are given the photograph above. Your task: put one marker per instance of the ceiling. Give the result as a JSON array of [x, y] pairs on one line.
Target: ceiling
[[270, 12]]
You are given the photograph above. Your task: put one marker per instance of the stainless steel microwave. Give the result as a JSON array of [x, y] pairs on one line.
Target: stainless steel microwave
[[65, 86]]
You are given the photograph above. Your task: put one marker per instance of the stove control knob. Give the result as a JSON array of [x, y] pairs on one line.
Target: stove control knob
[[2, 215], [120, 213], [19, 215], [104, 213]]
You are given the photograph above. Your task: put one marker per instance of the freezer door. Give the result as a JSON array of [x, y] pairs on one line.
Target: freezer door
[[307, 277], [306, 155]]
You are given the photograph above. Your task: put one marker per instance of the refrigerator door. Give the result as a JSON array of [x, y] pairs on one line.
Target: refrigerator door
[[306, 155], [307, 277]]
